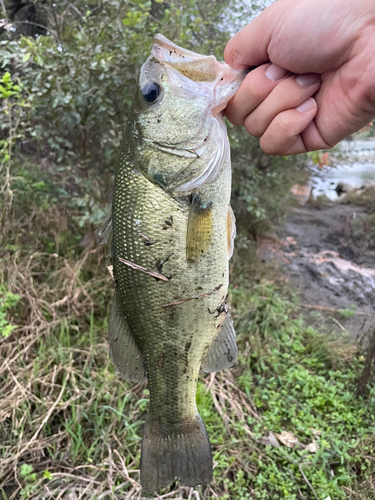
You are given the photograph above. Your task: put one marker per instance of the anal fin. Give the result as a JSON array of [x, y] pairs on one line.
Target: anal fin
[[222, 353], [125, 353]]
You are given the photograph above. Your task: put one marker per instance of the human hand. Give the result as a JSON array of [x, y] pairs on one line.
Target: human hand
[[332, 41]]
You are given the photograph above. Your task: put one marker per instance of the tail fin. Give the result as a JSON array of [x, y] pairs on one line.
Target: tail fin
[[184, 455]]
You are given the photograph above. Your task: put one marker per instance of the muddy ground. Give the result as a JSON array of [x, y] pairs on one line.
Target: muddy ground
[[330, 258]]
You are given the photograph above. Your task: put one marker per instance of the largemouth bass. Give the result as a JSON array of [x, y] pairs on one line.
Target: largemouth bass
[[173, 232]]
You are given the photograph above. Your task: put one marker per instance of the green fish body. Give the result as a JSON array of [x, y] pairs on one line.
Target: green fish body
[[173, 232]]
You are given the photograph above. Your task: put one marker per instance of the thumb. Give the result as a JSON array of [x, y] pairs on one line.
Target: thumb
[[249, 47]]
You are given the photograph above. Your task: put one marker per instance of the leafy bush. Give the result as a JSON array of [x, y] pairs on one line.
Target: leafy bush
[[80, 76]]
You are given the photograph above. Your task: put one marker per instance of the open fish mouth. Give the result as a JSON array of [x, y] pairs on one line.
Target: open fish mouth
[[223, 79]]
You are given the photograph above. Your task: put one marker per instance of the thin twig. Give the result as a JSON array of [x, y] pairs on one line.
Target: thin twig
[[45, 419], [307, 481], [36, 24], [342, 328], [143, 269]]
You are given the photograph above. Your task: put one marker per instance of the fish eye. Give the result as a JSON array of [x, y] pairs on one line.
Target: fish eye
[[151, 92]]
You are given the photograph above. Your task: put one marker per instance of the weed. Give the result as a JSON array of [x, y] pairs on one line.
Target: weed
[[7, 301], [70, 427]]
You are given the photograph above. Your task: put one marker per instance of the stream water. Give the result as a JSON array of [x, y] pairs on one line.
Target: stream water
[[353, 162]]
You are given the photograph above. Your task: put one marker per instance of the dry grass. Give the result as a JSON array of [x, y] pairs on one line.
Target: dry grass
[[70, 427]]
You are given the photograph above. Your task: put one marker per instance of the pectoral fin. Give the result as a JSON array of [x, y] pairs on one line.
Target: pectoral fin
[[125, 353], [199, 230], [231, 231], [222, 353]]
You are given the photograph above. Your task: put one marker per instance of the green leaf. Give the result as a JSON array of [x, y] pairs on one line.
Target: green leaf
[[26, 470], [47, 475]]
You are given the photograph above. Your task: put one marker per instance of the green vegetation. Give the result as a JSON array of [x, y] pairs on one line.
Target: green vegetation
[[69, 426]]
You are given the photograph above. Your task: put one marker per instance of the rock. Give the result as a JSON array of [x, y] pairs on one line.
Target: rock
[[368, 183], [270, 440], [343, 187]]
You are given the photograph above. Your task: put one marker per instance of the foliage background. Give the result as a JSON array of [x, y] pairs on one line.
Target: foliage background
[[69, 428]]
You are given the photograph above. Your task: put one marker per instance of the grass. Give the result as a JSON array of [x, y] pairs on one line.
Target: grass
[[70, 428], [363, 198]]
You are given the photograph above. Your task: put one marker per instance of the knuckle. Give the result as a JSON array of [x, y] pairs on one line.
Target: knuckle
[[252, 127], [269, 147], [285, 124]]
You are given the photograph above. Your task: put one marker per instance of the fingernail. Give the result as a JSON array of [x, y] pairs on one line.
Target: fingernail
[[308, 79], [306, 106], [275, 73]]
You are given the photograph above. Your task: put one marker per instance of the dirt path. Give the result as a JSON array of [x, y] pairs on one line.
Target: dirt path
[[333, 266]]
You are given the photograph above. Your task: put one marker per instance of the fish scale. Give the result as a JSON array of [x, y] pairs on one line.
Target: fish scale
[[147, 208], [173, 233]]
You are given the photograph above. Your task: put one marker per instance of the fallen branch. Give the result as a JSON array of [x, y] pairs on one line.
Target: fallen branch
[[143, 269]]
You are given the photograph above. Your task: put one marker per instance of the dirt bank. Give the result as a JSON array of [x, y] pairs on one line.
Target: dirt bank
[[331, 262]]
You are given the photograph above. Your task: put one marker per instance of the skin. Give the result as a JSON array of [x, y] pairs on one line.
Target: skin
[[332, 41]]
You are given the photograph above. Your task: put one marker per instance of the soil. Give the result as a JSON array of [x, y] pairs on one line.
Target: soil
[[324, 255]]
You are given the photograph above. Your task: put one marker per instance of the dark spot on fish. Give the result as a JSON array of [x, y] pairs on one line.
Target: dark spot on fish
[[168, 222], [158, 120], [147, 241], [160, 361], [221, 79], [160, 263], [222, 275], [165, 228], [199, 288], [187, 346], [229, 356]]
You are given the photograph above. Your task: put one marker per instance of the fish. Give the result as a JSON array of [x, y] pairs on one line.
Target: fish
[[171, 231]]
